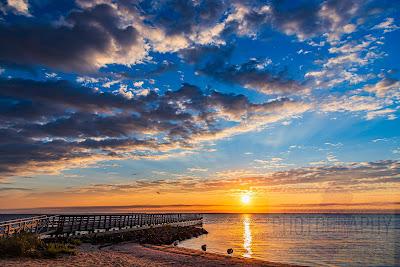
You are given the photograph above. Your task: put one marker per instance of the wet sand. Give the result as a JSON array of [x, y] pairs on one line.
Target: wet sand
[[131, 254]]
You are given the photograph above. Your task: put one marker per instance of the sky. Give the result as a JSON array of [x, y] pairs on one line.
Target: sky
[[176, 105]]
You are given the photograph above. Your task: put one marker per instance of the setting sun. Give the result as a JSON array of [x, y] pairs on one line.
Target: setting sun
[[246, 199]]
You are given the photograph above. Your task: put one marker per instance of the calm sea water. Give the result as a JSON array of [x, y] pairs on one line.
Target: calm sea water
[[308, 239], [305, 239]]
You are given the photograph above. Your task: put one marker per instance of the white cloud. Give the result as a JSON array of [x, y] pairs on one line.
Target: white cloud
[[380, 140], [272, 163], [51, 75], [142, 92], [387, 25], [331, 158], [123, 90], [379, 113], [344, 65], [108, 84], [20, 6], [85, 80], [197, 169], [353, 103], [350, 47], [334, 144], [304, 52], [383, 87], [138, 84]]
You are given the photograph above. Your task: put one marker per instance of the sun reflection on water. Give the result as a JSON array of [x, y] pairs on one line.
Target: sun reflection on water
[[247, 239]]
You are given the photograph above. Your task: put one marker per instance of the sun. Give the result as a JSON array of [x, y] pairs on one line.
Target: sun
[[246, 199]]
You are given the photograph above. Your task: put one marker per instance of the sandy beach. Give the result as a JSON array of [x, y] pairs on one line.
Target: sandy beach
[[132, 254]]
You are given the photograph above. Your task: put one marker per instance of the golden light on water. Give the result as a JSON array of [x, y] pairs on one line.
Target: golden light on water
[[247, 238]]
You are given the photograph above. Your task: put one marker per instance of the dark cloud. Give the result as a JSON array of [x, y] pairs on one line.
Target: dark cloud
[[181, 16], [6, 189], [302, 21], [254, 74], [87, 40], [330, 18], [305, 19], [161, 68], [55, 95], [19, 67], [47, 123], [198, 55], [122, 32]]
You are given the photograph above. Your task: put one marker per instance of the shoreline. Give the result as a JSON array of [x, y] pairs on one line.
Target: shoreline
[[133, 254]]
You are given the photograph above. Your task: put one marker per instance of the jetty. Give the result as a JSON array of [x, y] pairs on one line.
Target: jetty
[[77, 224]]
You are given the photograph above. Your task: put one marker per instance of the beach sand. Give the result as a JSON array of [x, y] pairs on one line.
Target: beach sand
[[131, 254]]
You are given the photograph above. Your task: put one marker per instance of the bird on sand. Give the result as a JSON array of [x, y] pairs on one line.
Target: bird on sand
[[229, 251], [204, 247]]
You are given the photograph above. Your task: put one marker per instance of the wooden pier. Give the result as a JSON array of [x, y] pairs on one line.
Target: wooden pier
[[69, 225]]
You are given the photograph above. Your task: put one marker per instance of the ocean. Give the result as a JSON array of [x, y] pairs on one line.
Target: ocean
[[305, 239]]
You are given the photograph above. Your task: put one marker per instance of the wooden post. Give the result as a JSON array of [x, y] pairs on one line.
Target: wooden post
[[80, 223], [36, 226], [72, 225], [99, 223]]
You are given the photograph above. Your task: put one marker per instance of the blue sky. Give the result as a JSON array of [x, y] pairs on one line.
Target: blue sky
[[137, 97]]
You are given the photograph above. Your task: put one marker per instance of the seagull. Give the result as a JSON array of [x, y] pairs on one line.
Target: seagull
[[229, 251], [204, 247]]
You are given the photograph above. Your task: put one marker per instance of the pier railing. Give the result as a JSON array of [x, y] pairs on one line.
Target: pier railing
[[56, 225]]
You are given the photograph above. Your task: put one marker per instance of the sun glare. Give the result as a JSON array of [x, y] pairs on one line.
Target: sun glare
[[246, 199]]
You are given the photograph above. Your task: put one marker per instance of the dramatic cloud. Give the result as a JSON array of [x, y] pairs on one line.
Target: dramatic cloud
[[85, 41], [361, 176], [303, 22], [56, 121], [87, 81], [255, 74], [183, 17]]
